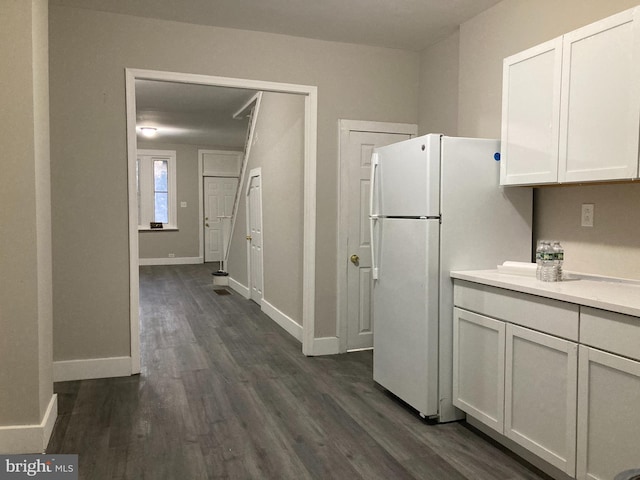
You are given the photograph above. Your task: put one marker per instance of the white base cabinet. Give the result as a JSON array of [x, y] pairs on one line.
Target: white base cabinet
[[559, 379], [478, 367], [608, 415], [519, 382], [540, 395]]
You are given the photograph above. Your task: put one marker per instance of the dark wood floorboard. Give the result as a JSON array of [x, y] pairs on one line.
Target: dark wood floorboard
[[226, 393]]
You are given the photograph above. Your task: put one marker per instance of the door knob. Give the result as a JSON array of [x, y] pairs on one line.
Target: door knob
[[355, 259], [206, 224]]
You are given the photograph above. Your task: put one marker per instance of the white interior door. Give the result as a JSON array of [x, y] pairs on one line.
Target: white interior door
[[254, 236], [356, 155], [219, 194]]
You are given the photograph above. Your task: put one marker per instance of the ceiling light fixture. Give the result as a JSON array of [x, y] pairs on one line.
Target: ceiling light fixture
[[148, 131]]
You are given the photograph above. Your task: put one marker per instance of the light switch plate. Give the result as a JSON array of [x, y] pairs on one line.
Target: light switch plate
[[183, 204], [588, 210]]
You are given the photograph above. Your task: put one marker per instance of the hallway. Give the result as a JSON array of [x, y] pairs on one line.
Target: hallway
[[225, 393]]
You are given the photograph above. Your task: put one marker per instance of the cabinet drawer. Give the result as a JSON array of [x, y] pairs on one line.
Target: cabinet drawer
[[538, 313], [613, 332]]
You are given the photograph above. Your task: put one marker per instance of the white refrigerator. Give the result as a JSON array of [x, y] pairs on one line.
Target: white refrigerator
[[436, 206]]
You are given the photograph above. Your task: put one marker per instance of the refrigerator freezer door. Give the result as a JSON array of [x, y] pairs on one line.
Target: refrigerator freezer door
[[407, 178], [405, 311]]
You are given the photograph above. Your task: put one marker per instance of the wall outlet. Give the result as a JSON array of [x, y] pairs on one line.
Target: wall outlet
[[588, 210], [172, 255], [183, 204]]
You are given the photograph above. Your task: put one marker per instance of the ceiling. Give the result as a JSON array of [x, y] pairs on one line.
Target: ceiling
[[405, 24], [193, 114]]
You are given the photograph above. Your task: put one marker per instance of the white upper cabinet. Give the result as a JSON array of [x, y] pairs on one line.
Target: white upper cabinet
[[600, 104], [571, 107], [531, 115]]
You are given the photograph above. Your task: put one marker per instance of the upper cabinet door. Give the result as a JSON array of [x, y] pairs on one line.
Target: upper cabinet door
[[600, 106], [530, 115]]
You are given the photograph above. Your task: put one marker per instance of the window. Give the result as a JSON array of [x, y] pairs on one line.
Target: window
[[156, 181]]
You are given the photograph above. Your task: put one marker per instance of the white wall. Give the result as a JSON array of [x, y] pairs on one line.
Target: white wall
[[89, 52], [278, 149], [611, 246], [26, 380], [439, 71], [185, 243]]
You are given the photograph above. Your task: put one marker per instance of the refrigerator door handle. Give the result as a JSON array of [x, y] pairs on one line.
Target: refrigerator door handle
[[373, 217], [372, 186], [374, 268]]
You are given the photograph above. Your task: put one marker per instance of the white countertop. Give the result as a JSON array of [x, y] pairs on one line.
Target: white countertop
[[611, 294]]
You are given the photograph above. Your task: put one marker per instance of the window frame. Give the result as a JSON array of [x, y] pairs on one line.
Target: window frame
[[145, 188]]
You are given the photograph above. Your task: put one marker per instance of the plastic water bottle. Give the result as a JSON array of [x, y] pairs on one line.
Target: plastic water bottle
[[548, 263], [539, 260], [558, 254]]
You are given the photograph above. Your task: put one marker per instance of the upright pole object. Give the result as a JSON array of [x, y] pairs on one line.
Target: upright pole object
[[225, 220]]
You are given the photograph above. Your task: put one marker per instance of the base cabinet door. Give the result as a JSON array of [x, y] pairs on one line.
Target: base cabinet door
[[608, 415], [478, 367], [540, 395]]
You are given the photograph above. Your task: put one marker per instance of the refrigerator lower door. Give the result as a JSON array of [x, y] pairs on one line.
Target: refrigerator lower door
[[405, 311]]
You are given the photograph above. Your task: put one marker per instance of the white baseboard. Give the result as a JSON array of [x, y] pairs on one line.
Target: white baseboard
[[286, 322], [238, 287], [171, 261], [326, 346], [24, 439], [67, 370]]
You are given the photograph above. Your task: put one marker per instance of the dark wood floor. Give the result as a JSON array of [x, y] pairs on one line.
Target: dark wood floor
[[225, 393]]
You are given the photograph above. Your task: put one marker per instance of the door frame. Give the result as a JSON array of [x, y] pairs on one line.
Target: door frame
[[254, 172], [310, 92], [344, 129]]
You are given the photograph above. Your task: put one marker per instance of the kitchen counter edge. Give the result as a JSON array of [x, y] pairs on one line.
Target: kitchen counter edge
[[614, 295]]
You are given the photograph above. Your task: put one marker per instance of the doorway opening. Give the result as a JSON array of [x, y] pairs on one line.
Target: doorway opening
[[309, 190]]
